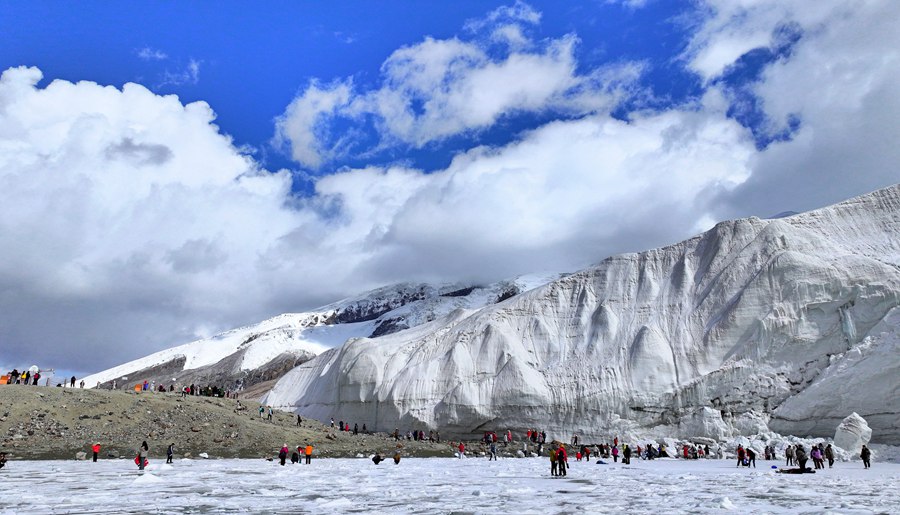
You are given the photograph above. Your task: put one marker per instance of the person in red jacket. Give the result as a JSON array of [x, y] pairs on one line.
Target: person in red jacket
[[561, 460], [462, 450], [96, 449]]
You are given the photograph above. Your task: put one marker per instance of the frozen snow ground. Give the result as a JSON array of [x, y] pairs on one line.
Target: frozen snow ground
[[439, 485]]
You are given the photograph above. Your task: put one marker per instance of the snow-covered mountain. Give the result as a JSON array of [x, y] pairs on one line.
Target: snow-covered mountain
[[789, 324], [266, 351]]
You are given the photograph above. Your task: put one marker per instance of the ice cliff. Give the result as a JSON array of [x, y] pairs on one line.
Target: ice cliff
[[789, 324]]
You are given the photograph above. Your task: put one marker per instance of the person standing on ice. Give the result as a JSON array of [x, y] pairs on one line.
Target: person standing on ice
[[309, 450], [751, 457], [740, 455], [562, 460], [553, 454], [282, 454], [493, 449], [96, 450], [462, 450], [170, 451], [626, 456], [865, 455], [789, 455], [829, 455], [816, 456], [143, 450], [615, 453]]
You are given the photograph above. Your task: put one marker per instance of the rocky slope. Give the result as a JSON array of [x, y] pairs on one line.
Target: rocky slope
[[790, 323], [56, 423]]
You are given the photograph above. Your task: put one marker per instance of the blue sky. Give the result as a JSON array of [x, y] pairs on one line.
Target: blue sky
[[170, 170], [252, 62]]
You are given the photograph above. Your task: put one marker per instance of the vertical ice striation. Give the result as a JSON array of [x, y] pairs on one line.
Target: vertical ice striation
[[741, 328]]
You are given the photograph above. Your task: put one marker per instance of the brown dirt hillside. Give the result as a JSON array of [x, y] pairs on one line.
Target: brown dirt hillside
[[39, 422]]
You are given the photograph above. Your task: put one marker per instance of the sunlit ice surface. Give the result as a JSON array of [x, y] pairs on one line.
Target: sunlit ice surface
[[442, 485]]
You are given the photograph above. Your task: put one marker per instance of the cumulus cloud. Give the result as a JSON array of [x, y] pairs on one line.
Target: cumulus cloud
[[137, 225], [121, 211], [439, 88], [130, 223], [837, 84]]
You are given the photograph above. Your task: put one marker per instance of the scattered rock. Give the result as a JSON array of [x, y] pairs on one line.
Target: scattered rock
[[80, 455], [204, 455]]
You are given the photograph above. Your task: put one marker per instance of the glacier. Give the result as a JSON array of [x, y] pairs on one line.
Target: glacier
[[255, 355], [756, 325]]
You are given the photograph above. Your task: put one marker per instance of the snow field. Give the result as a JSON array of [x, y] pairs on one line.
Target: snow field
[[441, 485]]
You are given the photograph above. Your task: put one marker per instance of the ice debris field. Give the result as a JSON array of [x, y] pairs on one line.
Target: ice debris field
[[442, 485]]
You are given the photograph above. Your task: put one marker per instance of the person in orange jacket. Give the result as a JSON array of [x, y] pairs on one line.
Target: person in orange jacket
[[96, 449], [308, 453]]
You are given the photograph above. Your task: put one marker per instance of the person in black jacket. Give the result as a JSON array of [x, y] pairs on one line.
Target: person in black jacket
[[866, 454]]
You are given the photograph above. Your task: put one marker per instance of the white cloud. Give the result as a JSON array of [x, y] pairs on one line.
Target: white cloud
[[838, 80], [126, 217], [151, 54], [304, 127], [136, 225], [189, 75], [518, 13], [440, 88]]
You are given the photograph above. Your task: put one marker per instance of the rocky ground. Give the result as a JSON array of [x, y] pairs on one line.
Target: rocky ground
[[39, 422]]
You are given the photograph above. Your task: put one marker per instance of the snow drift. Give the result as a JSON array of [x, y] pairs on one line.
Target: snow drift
[[788, 324]]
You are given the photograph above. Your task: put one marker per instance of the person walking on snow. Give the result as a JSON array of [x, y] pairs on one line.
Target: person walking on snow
[[170, 451], [96, 450], [865, 454]]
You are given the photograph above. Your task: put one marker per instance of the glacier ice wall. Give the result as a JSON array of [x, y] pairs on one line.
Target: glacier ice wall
[[788, 323]]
